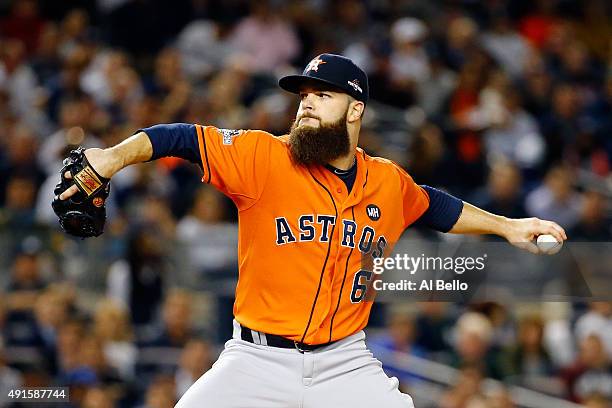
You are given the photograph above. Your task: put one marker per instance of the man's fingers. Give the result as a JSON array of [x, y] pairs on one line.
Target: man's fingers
[[560, 229], [67, 175], [72, 190], [554, 230], [529, 246]]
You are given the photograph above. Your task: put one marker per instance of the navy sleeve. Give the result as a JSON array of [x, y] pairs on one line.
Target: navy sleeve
[[443, 212], [176, 139]]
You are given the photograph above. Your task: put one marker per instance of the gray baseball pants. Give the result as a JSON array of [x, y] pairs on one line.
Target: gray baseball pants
[[343, 374]]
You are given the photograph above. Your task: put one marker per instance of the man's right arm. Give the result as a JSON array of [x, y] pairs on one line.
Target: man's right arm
[[107, 162], [236, 162]]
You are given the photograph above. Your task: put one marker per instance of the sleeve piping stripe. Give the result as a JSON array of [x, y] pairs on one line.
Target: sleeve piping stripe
[[203, 151]]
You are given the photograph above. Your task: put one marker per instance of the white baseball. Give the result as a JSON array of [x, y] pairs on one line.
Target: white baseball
[[549, 244]]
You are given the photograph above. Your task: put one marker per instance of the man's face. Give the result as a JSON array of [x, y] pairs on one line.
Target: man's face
[[319, 133], [319, 105]]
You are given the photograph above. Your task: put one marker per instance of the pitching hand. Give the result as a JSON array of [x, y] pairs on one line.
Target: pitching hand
[[100, 161], [523, 232]]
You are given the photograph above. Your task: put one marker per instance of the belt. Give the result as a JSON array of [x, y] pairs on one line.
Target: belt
[[273, 340]]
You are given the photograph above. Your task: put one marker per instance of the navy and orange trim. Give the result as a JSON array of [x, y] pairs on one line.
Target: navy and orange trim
[[203, 151]]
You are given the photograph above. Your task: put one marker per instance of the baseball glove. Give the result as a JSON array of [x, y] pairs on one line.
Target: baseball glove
[[84, 214]]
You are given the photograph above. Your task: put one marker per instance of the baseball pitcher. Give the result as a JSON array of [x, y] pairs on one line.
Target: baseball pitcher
[[312, 205]]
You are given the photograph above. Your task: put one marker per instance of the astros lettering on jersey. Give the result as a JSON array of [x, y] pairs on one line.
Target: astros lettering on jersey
[[302, 235]]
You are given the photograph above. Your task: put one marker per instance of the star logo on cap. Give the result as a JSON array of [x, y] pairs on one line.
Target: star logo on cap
[[355, 84], [314, 64]]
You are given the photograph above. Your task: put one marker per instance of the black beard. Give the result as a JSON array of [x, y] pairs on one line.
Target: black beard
[[310, 145]]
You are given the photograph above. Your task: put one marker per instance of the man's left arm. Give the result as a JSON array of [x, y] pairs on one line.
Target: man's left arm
[[432, 208], [520, 232]]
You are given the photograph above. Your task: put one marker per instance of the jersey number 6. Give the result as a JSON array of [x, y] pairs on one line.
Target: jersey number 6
[[360, 288]]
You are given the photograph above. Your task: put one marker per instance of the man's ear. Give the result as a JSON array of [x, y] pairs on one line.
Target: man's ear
[[355, 111]]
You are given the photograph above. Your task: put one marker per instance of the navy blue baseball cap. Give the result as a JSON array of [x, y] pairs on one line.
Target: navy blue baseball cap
[[330, 69]]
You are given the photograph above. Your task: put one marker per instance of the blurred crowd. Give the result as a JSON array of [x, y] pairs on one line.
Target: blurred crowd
[[507, 104]]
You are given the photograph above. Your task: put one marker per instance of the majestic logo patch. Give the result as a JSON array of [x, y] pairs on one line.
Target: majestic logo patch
[[98, 201], [229, 135], [314, 64], [373, 212], [87, 180], [355, 84]]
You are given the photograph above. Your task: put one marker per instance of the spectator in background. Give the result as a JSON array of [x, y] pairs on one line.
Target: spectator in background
[[209, 238], [561, 124], [555, 198], [46, 60], [539, 25], [161, 393], [66, 84], [196, 358], [74, 130], [272, 112], [20, 158], [137, 281], [75, 28], [597, 321], [429, 160], [594, 224], [399, 337], [201, 48], [536, 86], [69, 336], [352, 23], [433, 325], [408, 62], [463, 110], [558, 338], [176, 326], [460, 42], [104, 79], [576, 65], [20, 80], [51, 311], [24, 23], [515, 136], [473, 336], [92, 369], [169, 85], [466, 389], [92, 360], [505, 44], [18, 211], [263, 41], [528, 359], [502, 323], [599, 113], [591, 373], [112, 327], [26, 282], [224, 94], [503, 194], [146, 186], [434, 92]]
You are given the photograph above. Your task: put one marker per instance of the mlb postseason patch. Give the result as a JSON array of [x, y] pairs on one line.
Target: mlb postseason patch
[[228, 135]]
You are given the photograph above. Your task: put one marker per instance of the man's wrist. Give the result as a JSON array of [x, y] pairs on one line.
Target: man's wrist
[[104, 161], [503, 226]]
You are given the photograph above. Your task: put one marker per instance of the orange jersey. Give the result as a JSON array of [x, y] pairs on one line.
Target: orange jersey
[[302, 235]]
